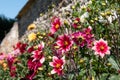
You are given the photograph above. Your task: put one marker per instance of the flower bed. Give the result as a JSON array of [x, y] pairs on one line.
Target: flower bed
[[86, 47]]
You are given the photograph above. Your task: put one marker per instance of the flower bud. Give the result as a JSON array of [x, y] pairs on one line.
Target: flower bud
[[43, 33], [96, 18], [103, 4], [40, 37], [73, 7], [102, 14], [82, 61], [109, 64], [56, 46], [41, 14], [49, 57], [40, 68], [66, 22], [92, 21]]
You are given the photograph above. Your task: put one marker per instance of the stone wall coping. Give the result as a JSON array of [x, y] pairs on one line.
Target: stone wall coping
[[25, 8]]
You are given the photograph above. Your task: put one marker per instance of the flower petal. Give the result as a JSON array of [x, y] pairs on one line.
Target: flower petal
[[54, 58], [63, 59], [42, 59], [51, 64], [53, 71]]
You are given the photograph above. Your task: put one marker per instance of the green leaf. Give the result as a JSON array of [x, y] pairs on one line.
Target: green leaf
[[115, 77], [104, 76], [114, 64], [71, 76]]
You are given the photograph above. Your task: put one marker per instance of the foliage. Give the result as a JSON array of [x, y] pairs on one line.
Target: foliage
[[5, 25]]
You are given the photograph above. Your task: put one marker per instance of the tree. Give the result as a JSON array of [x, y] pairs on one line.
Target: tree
[[5, 25]]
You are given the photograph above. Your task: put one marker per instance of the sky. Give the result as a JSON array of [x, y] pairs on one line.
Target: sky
[[10, 8]]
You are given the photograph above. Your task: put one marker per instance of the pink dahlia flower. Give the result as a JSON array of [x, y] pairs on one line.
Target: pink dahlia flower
[[57, 64], [37, 55], [64, 43], [79, 38], [55, 25], [101, 48]]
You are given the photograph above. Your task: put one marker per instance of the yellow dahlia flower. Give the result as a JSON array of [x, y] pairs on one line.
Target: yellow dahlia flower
[[31, 26], [32, 36]]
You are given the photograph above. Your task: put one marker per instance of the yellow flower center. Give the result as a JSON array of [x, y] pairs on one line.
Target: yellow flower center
[[57, 26], [87, 32], [58, 65], [101, 47], [66, 43], [81, 38]]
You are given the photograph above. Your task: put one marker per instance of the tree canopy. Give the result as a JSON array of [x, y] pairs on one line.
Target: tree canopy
[[5, 25]]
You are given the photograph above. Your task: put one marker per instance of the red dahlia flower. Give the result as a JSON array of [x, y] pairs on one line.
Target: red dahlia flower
[[30, 49], [20, 46], [57, 64], [13, 71], [64, 43], [101, 48], [55, 25], [33, 67], [12, 68], [76, 23]]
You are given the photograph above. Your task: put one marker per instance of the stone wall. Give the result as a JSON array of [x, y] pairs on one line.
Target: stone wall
[[39, 6], [10, 39]]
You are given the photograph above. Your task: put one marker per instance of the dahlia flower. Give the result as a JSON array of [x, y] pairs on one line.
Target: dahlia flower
[[31, 26], [55, 25], [89, 36], [30, 49], [33, 67], [76, 23], [37, 55], [32, 37], [20, 46], [64, 43], [41, 46], [12, 68], [101, 48], [79, 38], [57, 64]]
